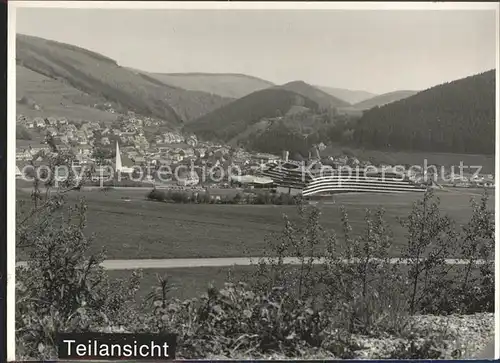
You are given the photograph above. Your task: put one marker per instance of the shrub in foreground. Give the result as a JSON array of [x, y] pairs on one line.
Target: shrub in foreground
[[302, 310]]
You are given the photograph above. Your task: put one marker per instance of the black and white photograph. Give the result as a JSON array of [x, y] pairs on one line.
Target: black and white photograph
[[253, 180]]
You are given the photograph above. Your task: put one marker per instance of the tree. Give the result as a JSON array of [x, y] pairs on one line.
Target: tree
[[430, 240], [63, 288]]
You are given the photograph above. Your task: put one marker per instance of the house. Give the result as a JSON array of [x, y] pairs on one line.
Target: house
[[52, 131], [94, 125], [51, 121], [189, 152], [175, 156], [64, 138], [62, 121], [132, 154], [102, 172], [81, 136], [164, 162], [200, 153], [23, 154], [139, 160], [63, 147], [191, 178], [171, 137], [192, 141], [39, 122], [84, 150], [30, 124], [222, 150], [34, 149]]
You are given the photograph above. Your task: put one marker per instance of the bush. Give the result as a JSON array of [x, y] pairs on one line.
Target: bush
[[157, 195], [63, 288], [357, 294], [182, 196], [235, 319], [122, 183]]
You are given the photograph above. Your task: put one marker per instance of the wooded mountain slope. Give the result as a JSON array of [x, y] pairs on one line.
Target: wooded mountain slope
[[234, 118], [101, 76], [323, 99], [457, 117]]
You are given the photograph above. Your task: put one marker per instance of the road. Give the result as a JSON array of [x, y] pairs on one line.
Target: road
[[215, 262]]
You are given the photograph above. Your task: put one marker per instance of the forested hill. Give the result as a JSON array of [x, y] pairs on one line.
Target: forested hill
[[228, 121], [458, 117], [102, 78], [323, 99]]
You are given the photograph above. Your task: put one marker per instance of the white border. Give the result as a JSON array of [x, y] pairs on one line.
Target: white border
[[497, 190], [11, 184], [213, 5]]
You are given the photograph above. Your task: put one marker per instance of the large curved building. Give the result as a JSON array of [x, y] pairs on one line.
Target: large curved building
[[318, 180]]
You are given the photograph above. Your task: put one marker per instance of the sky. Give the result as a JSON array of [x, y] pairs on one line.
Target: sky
[[373, 50]]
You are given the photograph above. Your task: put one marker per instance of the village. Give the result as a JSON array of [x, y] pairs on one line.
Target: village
[[141, 145], [96, 144]]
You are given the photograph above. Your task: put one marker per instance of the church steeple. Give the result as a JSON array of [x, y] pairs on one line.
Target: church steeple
[[118, 160]]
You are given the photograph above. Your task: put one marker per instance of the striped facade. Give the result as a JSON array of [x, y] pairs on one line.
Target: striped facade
[[314, 182]]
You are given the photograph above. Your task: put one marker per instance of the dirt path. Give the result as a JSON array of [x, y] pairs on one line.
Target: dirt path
[[213, 262]]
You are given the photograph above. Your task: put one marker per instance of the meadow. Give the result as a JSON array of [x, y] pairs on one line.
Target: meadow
[[130, 227]]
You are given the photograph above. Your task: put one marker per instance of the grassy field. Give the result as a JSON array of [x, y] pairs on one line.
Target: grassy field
[[56, 98], [130, 227]]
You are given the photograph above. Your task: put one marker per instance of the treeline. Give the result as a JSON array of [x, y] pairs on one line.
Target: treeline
[[454, 117], [298, 134], [280, 138], [256, 198]]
